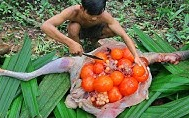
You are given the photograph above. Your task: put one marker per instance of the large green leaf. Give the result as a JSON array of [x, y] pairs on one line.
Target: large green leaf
[[176, 109], [61, 111], [148, 42], [136, 111], [171, 83], [15, 108], [158, 45], [43, 60], [30, 88], [8, 85], [83, 114], [51, 91], [29, 91], [162, 44]]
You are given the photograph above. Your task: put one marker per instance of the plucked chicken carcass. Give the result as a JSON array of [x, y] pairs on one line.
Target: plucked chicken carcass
[[95, 101]]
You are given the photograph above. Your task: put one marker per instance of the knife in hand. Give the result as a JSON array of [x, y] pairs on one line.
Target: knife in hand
[[92, 56]]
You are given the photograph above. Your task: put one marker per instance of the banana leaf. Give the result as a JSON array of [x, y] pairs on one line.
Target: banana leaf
[[30, 88], [8, 85], [15, 108], [83, 114], [51, 90], [61, 111], [176, 109], [171, 83]]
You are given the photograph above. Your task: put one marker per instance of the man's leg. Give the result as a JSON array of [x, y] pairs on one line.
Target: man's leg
[[107, 32], [73, 31], [101, 31]]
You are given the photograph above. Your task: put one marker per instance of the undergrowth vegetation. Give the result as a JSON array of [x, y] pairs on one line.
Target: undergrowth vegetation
[[155, 25], [167, 19]]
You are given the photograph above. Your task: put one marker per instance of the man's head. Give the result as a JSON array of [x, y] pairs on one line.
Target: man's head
[[94, 7]]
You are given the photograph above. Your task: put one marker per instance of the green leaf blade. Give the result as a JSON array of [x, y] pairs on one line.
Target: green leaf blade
[[61, 111], [16, 108], [9, 85], [50, 95]]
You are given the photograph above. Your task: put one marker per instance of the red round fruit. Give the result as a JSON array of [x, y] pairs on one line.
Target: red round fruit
[[86, 71], [87, 84], [103, 83], [128, 55], [117, 77], [98, 68], [114, 94], [128, 86], [116, 53], [143, 78], [138, 71], [124, 62]]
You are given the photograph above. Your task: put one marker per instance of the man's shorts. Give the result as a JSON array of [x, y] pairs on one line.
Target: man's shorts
[[93, 32]]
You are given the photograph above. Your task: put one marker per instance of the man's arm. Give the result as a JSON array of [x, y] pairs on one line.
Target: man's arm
[[49, 27], [117, 29]]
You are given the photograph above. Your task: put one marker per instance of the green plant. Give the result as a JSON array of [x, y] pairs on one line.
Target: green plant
[[138, 11], [73, 2], [43, 47], [176, 33], [5, 9], [182, 34]]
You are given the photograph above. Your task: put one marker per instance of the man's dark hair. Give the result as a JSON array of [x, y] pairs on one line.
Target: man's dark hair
[[94, 7]]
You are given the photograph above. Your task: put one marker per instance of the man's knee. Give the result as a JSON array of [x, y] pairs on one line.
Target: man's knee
[[73, 29], [107, 32]]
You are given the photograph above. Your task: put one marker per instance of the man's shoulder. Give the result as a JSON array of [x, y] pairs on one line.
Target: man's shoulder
[[71, 11], [73, 8], [106, 16]]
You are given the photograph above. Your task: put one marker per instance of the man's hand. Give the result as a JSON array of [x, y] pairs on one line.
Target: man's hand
[[76, 49], [139, 62], [1, 70]]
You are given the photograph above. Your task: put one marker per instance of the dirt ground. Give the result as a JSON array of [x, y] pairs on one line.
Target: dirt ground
[[12, 35]]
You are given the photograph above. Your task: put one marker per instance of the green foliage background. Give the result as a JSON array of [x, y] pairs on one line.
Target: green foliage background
[[169, 19]]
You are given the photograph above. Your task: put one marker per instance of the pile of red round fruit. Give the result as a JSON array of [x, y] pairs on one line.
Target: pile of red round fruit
[[114, 77]]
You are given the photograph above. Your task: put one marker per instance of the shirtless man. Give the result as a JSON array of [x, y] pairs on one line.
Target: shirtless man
[[88, 20]]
